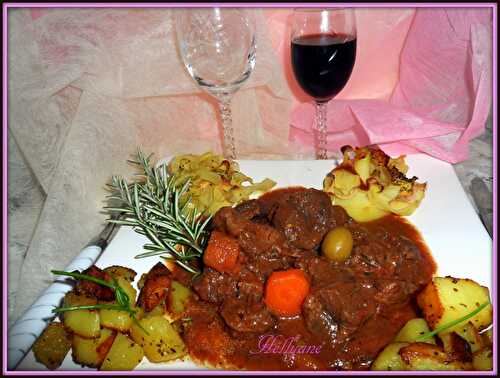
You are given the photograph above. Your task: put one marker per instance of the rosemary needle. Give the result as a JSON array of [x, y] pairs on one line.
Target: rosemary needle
[[122, 298], [152, 206]]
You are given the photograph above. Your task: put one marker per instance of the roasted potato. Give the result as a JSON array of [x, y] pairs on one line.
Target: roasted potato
[[52, 346], [91, 352], [121, 271], [159, 310], [162, 343], [127, 288], [92, 289], [470, 333], [85, 323], [487, 337], [446, 299], [116, 319], [423, 356], [124, 354], [156, 287], [389, 358], [483, 359], [412, 330], [179, 295], [456, 347]]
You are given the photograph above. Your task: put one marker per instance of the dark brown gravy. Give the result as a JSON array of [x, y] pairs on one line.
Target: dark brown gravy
[[369, 311]]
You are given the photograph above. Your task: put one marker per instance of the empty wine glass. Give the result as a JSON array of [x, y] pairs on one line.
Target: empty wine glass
[[218, 47], [323, 54]]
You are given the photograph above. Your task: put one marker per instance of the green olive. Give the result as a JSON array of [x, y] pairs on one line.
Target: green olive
[[337, 244]]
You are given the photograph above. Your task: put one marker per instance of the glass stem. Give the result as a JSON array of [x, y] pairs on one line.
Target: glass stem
[[321, 130], [227, 127]]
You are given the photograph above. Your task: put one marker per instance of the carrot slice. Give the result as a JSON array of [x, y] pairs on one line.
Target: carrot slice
[[222, 252], [285, 292]]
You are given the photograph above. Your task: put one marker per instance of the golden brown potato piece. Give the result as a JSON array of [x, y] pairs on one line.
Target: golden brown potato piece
[[121, 271], [470, 333], [127, 288], [92, 289], [483, 359], [91, 352], [157, 311], [447, 299], [156, 287], [487, 337], [52, 346], [179, 295], [456, 347], [423, 356], [162, 343], [389, 358], [124, 354], [116, 319], [412, 330], [85, 323]]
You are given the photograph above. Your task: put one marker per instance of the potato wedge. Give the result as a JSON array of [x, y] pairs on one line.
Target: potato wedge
[[128, 288], [121, 271], [162, 343], [483, 359], [412, 330], [156, 287], [487, 337], [179, 295], [115, 319], [52, 346], [92, 289], [470, 333], [124, 354], [85, 323], [159, 310], [389, 358], [91, 352], [423, 356], [456, 347], [446, 299]]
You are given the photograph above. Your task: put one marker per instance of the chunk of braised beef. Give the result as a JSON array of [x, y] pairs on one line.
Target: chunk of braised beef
[[304, 217], [249, 209], [207, 338], [213, 286], [250, 286], [394, 291], [246, 317], [349, 302], [318, 320]]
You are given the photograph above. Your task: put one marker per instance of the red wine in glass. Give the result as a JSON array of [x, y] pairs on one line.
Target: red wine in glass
[[322, 63]]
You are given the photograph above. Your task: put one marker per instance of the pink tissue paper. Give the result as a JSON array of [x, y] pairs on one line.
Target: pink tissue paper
[[422, 82]]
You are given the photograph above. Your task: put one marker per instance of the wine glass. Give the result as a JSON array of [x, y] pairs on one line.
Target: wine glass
[[218, 47], [323, 52]]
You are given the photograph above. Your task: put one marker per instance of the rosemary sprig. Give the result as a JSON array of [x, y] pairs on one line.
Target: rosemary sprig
[[152, 206], [122, 298], [451, 324]]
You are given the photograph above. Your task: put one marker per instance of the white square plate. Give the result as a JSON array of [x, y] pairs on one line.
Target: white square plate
[[446, 219]]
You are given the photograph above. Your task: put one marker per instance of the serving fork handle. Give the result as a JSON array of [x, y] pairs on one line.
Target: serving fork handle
[[31, 324]]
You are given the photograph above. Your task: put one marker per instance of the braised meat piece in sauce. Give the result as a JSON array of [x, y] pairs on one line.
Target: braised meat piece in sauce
[[353, 309]]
